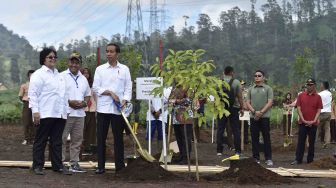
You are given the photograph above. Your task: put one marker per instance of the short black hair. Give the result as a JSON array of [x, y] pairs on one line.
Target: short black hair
[[44, 53], [228, 70], [262, 72], [325, 84], [30, 72], [117, 47]]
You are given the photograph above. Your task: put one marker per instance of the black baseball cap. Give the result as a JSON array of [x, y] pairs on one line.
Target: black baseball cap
[[310, 81]]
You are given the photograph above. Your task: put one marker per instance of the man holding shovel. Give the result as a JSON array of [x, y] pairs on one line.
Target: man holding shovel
[[112, 83]]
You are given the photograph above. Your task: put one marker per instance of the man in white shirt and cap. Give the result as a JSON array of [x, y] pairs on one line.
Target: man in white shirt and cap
[[79, 92]]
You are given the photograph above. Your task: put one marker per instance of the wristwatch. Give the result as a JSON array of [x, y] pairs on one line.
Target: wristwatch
[[85, 103]]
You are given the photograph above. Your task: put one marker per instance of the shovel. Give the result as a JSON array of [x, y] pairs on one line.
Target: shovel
[[232, 158], [170, 152], [144, 153]]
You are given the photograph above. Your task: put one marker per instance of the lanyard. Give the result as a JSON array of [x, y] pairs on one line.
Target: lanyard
[[75, 78]]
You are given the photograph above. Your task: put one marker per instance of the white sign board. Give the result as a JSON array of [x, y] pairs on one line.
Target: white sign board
[[245, 117], [144, 87]]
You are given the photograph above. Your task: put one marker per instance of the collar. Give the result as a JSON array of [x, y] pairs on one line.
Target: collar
[[311, 94], [227, 77], [262, 85], [69, 72], [110, 66], [45, 68]]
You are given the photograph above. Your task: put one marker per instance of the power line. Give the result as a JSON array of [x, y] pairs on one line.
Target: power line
[[69, 20], [98, 9]]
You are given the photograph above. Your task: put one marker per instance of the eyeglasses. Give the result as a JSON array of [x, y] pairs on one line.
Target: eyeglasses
[[258, 75], [51, 57], [310, 84]]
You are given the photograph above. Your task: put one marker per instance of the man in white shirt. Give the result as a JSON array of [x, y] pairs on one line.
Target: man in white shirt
[[156, 115], [112, 84], [325, 115], [49, 103], [79, 92]]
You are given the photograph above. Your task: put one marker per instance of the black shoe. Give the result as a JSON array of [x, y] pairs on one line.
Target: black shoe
[[38, 171], [295, 162], [100, 171], [177, 160], [183, 162], [63, 170]]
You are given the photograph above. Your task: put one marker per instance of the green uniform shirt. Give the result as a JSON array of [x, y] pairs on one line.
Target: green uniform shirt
[[236, 88], [259, 95]]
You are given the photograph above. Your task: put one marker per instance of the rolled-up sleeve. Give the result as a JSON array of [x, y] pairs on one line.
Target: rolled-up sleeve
[[128, 86], [34, 92]]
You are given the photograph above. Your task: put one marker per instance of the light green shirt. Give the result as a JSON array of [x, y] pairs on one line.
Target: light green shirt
[[236, 87], [259, 96]]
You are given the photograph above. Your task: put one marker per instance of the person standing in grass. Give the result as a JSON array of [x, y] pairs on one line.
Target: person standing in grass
[[27, 120]]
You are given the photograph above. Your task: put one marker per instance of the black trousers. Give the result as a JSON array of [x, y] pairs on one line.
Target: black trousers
[[235, 127], [51, 128], [181, 140], [246, 132], [262, 125], [332, 130], [305, 131], [117, 124]]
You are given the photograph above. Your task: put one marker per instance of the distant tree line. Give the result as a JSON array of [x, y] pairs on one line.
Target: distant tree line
[[275, 42]]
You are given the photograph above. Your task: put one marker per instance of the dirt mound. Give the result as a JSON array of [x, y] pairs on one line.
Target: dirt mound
[[324, 163], [247, 171], [141, 170]]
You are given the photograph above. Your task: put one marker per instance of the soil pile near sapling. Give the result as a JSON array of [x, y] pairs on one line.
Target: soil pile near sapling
[[141, 170], [324, 163], [247, 171]]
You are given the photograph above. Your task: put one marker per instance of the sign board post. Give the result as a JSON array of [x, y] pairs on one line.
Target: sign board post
[[144, 87]]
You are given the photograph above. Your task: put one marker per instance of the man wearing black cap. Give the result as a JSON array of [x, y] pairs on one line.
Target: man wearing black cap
[[309, 105], [78, 92]]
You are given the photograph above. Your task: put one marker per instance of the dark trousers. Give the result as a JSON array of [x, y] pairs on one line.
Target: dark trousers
[[332, 130], [51, 128], [27, 120], [90, 127], [155, 125], [262, 125], [305, 131], [117, 124], [246, 132], [289, 118], [181, 140], [235, 127]]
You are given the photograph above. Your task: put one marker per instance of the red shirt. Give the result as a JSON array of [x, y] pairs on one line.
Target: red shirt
[[309, 104]]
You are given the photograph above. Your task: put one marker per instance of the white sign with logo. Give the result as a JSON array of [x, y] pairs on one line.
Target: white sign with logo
[[144, 87]]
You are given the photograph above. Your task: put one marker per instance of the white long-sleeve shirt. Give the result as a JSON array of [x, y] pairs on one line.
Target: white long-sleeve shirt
[[326, 97], [156, 105], [47, 94], [77, 87], [116, 79]]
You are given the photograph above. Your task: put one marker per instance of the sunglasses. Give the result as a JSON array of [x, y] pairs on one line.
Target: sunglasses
[[51, 57], [258, 75], [310, 84]]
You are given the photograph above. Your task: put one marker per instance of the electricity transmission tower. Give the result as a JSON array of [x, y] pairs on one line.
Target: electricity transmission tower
[[134, 26], [153, 18], [134, 30]]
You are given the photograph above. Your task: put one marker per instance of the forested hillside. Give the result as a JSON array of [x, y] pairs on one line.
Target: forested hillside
[[273, 41]]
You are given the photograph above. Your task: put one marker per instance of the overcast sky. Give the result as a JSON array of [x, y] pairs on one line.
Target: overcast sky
[[56, 21]]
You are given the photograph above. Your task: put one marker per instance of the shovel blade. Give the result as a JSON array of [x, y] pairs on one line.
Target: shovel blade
[[144, 153], [169, 156]]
